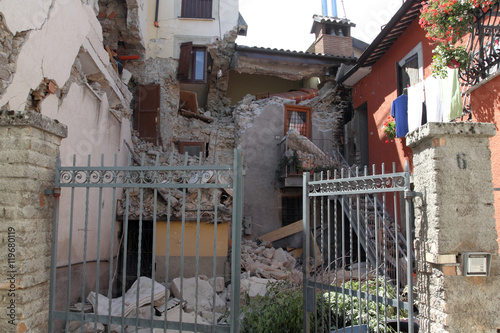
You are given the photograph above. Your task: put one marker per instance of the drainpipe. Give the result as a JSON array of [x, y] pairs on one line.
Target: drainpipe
[[156, 13], [325, 8], [334, 8]]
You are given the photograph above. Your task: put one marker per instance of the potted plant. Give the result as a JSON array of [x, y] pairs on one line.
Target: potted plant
[[389, 128], [446, 22]]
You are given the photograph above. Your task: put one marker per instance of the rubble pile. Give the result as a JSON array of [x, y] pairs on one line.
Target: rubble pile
[[170, 201], [264, 261]]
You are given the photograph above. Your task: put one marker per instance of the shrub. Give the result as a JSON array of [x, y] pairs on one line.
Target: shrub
[[363, 312], [280, 311]]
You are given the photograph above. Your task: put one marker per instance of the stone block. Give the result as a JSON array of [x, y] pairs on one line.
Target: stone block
[[204, 292]]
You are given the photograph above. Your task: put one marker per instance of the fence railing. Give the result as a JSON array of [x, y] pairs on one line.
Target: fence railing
[[483, 47], [121, 258], [345, 289]]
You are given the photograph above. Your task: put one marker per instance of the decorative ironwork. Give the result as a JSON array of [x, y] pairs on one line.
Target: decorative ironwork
[[394, 182], [146, 177], [483, 47]]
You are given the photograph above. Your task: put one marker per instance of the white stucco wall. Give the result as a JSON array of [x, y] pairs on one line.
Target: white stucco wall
[[52, 46], [92, 130], [165, 40], [59, 31]]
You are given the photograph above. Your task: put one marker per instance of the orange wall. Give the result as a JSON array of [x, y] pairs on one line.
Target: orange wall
[[485, 105], [378, 90]]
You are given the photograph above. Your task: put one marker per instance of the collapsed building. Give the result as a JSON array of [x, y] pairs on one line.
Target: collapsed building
[[173, 73]]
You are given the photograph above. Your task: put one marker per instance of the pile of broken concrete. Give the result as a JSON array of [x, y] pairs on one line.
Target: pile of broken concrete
[[264, 261], [205, 300]]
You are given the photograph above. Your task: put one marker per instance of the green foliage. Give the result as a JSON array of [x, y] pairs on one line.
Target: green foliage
[[363, 312], [449, 57], [280, 311], [389, 128], [446, 23], [291, 164]]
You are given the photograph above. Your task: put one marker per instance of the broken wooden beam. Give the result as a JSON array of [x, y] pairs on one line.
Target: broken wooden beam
[[283, 232]]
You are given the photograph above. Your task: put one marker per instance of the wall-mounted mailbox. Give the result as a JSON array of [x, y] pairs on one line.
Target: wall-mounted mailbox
[[476, 263]]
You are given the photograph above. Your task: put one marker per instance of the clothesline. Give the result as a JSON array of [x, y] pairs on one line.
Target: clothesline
[[441, 101]]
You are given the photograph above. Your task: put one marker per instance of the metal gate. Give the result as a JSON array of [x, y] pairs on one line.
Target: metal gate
[[358, 236], [115, 234]]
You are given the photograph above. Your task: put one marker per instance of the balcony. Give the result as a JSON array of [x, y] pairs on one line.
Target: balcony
[[298, 154], [483, 47]]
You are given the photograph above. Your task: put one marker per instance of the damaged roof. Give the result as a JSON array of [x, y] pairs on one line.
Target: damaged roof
[[289, 53], [409, 11], [290, 65]]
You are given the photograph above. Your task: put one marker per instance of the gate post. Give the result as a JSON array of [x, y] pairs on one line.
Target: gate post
[[29, 146], [454, 215]]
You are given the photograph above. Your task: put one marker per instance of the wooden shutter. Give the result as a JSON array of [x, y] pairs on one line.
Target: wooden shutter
[[184, 61], [147, 112], [196, 8], [399, 79]]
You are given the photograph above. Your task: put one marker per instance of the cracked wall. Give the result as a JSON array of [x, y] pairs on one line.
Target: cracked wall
[[259, 126], [52, 61]]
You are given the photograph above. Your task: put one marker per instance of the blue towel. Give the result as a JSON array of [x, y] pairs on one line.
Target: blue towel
[[399, 110]]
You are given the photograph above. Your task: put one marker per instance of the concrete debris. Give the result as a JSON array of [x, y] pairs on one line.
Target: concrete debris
[[268, 263], [170, 201], [254, 286], [76, 327], [143, 286], [198, 294]]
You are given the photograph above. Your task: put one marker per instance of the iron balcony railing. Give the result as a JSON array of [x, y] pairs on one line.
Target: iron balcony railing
[[483, 47]]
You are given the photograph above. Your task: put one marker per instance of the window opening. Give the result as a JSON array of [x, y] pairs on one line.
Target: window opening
[[196, 9], [298, 118]]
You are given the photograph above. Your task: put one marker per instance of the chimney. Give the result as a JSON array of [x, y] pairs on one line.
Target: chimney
[[334, 8], [325, 8]]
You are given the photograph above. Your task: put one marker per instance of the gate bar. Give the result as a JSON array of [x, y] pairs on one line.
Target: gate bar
[[236, 241]]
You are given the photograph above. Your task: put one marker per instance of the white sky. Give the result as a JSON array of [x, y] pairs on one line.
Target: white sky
[[286, 24]]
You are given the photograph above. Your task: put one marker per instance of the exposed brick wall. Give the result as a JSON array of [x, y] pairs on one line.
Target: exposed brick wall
[[28, 151], [334, 45]]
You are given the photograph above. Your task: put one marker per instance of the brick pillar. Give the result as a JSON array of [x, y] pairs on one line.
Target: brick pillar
[[29, 145], [454, 215]]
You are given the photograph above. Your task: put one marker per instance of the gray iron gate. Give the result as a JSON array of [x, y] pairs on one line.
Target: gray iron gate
[[361, 261], [92, 252]]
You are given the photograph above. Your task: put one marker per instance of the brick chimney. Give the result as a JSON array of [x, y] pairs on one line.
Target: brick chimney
[[333, 36]]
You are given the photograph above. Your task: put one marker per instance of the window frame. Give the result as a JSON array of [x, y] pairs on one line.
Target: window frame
[[200, 144], [187, 10], [297, 108], [416, 51], [187, 63]]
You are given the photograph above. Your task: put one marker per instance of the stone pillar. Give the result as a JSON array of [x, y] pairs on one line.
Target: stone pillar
[[29, 146], [454, 215]]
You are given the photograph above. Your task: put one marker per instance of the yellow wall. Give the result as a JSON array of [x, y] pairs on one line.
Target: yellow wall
[[206, 239], [243, 84]]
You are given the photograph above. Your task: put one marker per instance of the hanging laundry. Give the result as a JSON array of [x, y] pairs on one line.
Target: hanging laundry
[[415, 103], [451, 101], [433, 99], [399, 110]]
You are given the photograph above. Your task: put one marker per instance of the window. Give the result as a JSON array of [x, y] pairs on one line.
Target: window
[[192, 148], [291, 210], [196, 8], [192, 63], [299, 118], [410, 69]]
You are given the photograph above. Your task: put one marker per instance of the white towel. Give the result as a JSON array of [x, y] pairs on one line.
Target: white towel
[[415, 102], [433, 99], [451, 100]]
